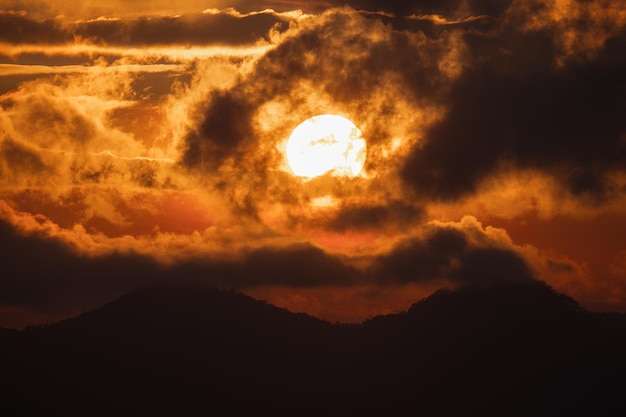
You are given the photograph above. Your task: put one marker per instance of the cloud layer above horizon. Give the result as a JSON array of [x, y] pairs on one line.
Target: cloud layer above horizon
[[146, 144]]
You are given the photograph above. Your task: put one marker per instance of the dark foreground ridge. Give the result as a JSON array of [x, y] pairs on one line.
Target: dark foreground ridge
[[189, 350]]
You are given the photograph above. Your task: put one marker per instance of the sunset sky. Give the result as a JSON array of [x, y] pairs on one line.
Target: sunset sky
[[144, 142]]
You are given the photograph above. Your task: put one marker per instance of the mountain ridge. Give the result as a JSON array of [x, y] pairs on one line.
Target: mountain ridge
[[188, 348]]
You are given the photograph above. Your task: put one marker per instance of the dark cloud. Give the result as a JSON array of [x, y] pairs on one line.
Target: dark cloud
[[480, 266], [441, 7], [190, 29], [516, 107], [417, 259], [291, 266], [226, 126], [446, 253], [435, 28], [40, 58], [196, 29], [47, 275], [15, 157], [19, 29], [375, 216], [338, 50], [298, 266], [412, 56]]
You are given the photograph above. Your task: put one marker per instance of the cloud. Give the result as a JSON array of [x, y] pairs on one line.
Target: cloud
[[377, 217], [221, 28], [226, 127], [76, 270], [296, 266], [43, 273], [492, 265], [454, 8], [15, 69], [152, 145], [461, 253], [59, 276], [514, 106], [64, 132], [18, 158], [423, 259], [197, 29], [242, 128], [78, 9], [18, 28]]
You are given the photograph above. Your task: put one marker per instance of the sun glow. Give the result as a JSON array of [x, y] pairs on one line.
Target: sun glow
[[326, 144]]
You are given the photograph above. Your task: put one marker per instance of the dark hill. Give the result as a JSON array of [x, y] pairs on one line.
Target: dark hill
[[188, 350], [171, 313]]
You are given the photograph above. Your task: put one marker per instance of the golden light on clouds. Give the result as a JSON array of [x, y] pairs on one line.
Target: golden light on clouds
[[179, 139]]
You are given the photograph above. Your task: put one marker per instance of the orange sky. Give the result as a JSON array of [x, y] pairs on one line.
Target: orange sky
[[144, 142]]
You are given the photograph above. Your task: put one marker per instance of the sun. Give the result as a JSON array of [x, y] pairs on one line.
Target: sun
[[326, 144]]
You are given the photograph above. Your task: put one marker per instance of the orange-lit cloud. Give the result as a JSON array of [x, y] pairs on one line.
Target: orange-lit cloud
[[148, 144]]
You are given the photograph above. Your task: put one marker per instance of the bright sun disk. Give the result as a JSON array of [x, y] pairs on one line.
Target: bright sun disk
[[326, 144]]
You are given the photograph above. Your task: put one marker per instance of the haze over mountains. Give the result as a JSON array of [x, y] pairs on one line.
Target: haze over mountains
[[503, 349]]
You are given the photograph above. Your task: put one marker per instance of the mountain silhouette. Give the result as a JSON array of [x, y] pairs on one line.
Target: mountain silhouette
[[509, 349]]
